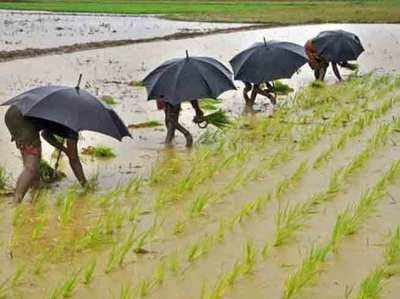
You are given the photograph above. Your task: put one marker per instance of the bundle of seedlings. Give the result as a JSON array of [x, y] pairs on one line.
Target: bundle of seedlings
[[218, 119], [48, 174], [98, 152], [282, 88], [147, 124]]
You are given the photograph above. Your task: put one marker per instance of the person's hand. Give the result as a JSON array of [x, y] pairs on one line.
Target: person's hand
[[198, 118]]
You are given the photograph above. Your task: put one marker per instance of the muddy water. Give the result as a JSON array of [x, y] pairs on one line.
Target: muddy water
[[107, 72], [20, 30]]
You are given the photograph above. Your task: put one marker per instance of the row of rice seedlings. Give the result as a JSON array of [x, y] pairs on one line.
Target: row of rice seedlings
[[372, 286], [347, 223], [204, 244], [355, 130], [291, 218], [3, 178]]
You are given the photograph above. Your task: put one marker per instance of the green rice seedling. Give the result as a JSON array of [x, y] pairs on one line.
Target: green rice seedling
[[141, 241], [266, 250], [88, 272], [218, 119], [289, 220], [147, 124], [112, 260], [249, 257], [220, 234], [100, 151], [109, 100], [282, 88], [126, 292], [179, 227], [194, 253], [127, 245], [39, 263], [159, 273], [4, 288], [66, 209], [371, 287], [16, 277], [210, 104], [286, 183], [136, 83], [199, 204], [48, 174], [133, 187], [67, 288], [143, 288], [260, 202], [232, 276], [173, 264], [3, 178], [306, 272], [392, 249], [134, 213]]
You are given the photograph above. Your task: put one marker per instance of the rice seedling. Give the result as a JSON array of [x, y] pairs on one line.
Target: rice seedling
[[4, 287], [109, 100], [265, 251], [287, 183], [218, 119], [371, 287], [392, 248], [48, 174], [66, 289], [126, 292], [16, 277], [289, 220], [249, 258], [282, 88], [210, 104], [173, 264], [136, 83], [88, 272], [100, 151], [199, 204], [306, 272], [3, 178], [147, 124]]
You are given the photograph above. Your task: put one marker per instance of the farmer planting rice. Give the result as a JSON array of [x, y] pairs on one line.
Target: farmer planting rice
[[262, 63], [61, 111], [25, 133], [182, 80], [335, 47]]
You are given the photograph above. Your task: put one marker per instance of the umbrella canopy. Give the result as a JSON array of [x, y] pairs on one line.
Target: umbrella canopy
[[188, 79], [338, 45], [268, 61], [74, 108]]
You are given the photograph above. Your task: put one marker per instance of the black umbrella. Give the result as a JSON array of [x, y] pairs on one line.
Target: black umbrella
[[268, 61], [338, 45], [186, 79], [74, 108]]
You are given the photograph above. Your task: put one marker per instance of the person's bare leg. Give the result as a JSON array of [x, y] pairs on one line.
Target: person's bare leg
[[169, 123], [74, 161], [336, 71], [322, 72], [186, 133], [29, 176]]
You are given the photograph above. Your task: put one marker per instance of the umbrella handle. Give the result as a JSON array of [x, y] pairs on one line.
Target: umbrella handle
[[201, 126], [79, 82]]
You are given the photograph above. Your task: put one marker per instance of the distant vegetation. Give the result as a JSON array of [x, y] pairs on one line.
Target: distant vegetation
[[268, 12]]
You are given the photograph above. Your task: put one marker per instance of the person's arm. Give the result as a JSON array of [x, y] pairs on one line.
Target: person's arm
[[74, 161], [336, 71], [52, 140], [199, 113]]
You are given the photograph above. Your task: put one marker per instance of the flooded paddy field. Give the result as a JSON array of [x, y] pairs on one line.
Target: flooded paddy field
[[271, 208], [21, 30]]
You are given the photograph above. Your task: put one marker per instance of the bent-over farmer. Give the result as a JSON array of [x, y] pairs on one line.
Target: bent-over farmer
[[320, 65], [25, 132]]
